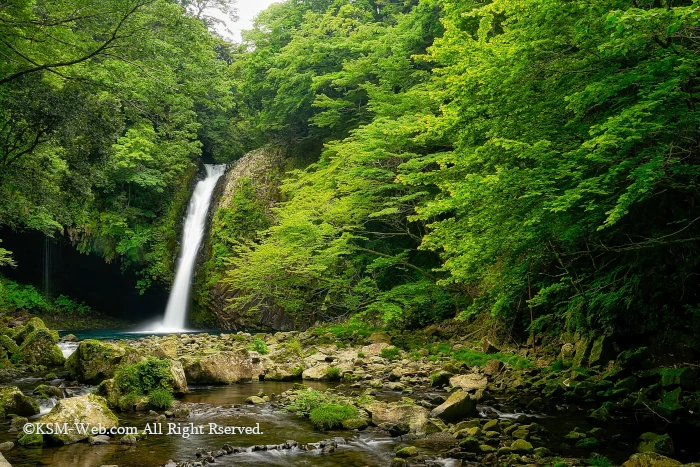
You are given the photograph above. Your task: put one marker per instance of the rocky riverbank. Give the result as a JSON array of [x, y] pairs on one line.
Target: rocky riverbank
[[577, 402]]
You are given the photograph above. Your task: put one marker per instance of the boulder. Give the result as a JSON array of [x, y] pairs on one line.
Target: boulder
[[179, 380], [458, 406], [473, 382], [650, 459], [40, 348], [489, 348], [374, 350], [520, 446], [32, 325], [316, 372], [165, 349], [94, 361], [13, 401], [89, 410], [224, 367], [413, 416], [653, 442], [441, 378], [283, 372], [6, 446], [493, 367]]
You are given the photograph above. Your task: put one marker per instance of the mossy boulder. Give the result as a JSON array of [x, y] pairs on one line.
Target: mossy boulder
[[32, 325], [8, 344], [226, 367], [94, 361], [89, 410], [413, 416], [520, 446], [650, 459], [46, 391], [4, 359], [656, 443], [440, 378], [34, 439], [40, 348], [356, 423], [458, 406], [13, 401]]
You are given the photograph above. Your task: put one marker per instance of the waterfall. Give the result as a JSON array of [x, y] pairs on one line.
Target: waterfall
[[192, 234]]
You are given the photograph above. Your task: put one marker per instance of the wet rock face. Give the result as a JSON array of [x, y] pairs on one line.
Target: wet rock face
[[224, 367], [90, 410]]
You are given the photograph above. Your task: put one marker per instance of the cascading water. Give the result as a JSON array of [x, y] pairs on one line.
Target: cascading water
[[192, 234]]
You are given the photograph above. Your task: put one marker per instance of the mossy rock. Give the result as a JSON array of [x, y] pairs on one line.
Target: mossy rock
[[13, 401], [670, 405], [94, 361], [356, 423], [27, 440], [91, 410], [520, 446], [32, 325], [650, 459], [8, 344], [46, 391], [675, 377], [40, 348], [4, 359], [656, 443]]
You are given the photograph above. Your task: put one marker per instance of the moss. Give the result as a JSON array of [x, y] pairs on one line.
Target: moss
[[328, 416], [35, 439], [160, 399], [40, 348], [32, 325], [258, 345], [390, 353], [8, 344], [94, 361], [13, 401], [333, 373]]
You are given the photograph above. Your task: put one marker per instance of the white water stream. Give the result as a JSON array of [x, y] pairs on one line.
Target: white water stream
[[192, 234]]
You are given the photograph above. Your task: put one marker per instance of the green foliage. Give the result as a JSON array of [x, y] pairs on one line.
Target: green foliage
[[477, 358], [349, 330], [144, 377], [100, 112], [258, 345], [15, 296], [597, 460], [390, 353], [6, 257], [306, 401], [329, 416], [160, 399], [333, 373], [293, 346]]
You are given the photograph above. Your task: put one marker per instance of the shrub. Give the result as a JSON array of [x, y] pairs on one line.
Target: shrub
[[390, 353], [328, 416], [361, 355], [160, 399], [293, 346], [306, 401], [66, 305], [258, 345], [333, 373], [127, 401]]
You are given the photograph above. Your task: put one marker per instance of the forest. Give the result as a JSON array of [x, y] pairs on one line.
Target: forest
[[531, 164]]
